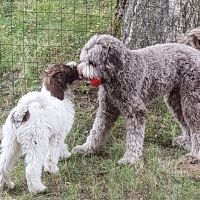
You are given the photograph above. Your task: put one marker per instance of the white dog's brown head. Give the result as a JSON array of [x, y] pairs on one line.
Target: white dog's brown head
[[58, 76], [100, 55], [191, 38]]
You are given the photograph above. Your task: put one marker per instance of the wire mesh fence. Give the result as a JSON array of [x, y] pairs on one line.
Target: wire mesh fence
[[34, 33]]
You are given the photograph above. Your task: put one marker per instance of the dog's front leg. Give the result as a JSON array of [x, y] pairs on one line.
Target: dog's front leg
[[105, 118], [53, 155], [64, 151], [135, 116]]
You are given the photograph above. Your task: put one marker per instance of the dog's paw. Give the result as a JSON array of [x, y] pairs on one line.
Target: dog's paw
[[1, 181], [181, 141], [37, 188], [82, 149], [65, 154], [127, 161], [191, 159], [11, 185], [178, 141], [52, 169]]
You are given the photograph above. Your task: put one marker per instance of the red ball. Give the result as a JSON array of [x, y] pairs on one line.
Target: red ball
[[95, 82]]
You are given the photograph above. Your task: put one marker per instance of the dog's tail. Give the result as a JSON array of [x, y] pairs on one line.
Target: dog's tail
[[21, 112], [19, 115], [191, 38], [16, 117]]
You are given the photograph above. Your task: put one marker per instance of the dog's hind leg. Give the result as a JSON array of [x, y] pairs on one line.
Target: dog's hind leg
[[107, 114], [135, 116], [35, 150], [11, 152], [191, 112], [173, 101]]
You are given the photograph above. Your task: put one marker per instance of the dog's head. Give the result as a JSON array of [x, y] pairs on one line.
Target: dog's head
[[58, 76], [101, 54], [191, 38]]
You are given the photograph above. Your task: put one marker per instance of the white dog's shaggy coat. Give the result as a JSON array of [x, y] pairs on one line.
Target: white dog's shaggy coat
[[36, 128]]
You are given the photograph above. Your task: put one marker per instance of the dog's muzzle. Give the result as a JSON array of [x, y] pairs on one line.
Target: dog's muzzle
[[80, 71], [94, 82]]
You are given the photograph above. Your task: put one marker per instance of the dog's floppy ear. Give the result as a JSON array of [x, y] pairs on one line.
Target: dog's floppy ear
[[19, 116], [196, 40], [191, 38], [57, 85], [58, 76], [71, 72], [113, 55]]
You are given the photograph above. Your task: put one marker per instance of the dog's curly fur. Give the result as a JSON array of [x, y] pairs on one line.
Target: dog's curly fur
[[37, 128], [58, 76], [191, 38], [132, 80]]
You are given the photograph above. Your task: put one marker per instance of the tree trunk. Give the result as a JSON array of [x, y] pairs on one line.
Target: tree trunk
[[147, 22]]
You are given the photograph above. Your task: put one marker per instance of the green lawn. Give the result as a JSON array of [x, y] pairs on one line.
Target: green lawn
[[35, 33]]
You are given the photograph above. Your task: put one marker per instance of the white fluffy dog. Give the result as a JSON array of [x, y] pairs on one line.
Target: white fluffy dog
[[37, 128]]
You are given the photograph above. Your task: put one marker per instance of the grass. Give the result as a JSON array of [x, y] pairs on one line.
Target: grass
[[47, 33], [36, 33]]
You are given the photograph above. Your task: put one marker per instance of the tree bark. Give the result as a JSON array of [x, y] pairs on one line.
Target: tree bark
[[119, 14], [147, 22]]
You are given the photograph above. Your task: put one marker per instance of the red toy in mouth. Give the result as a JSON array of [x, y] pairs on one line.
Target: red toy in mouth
[[95, 82]]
